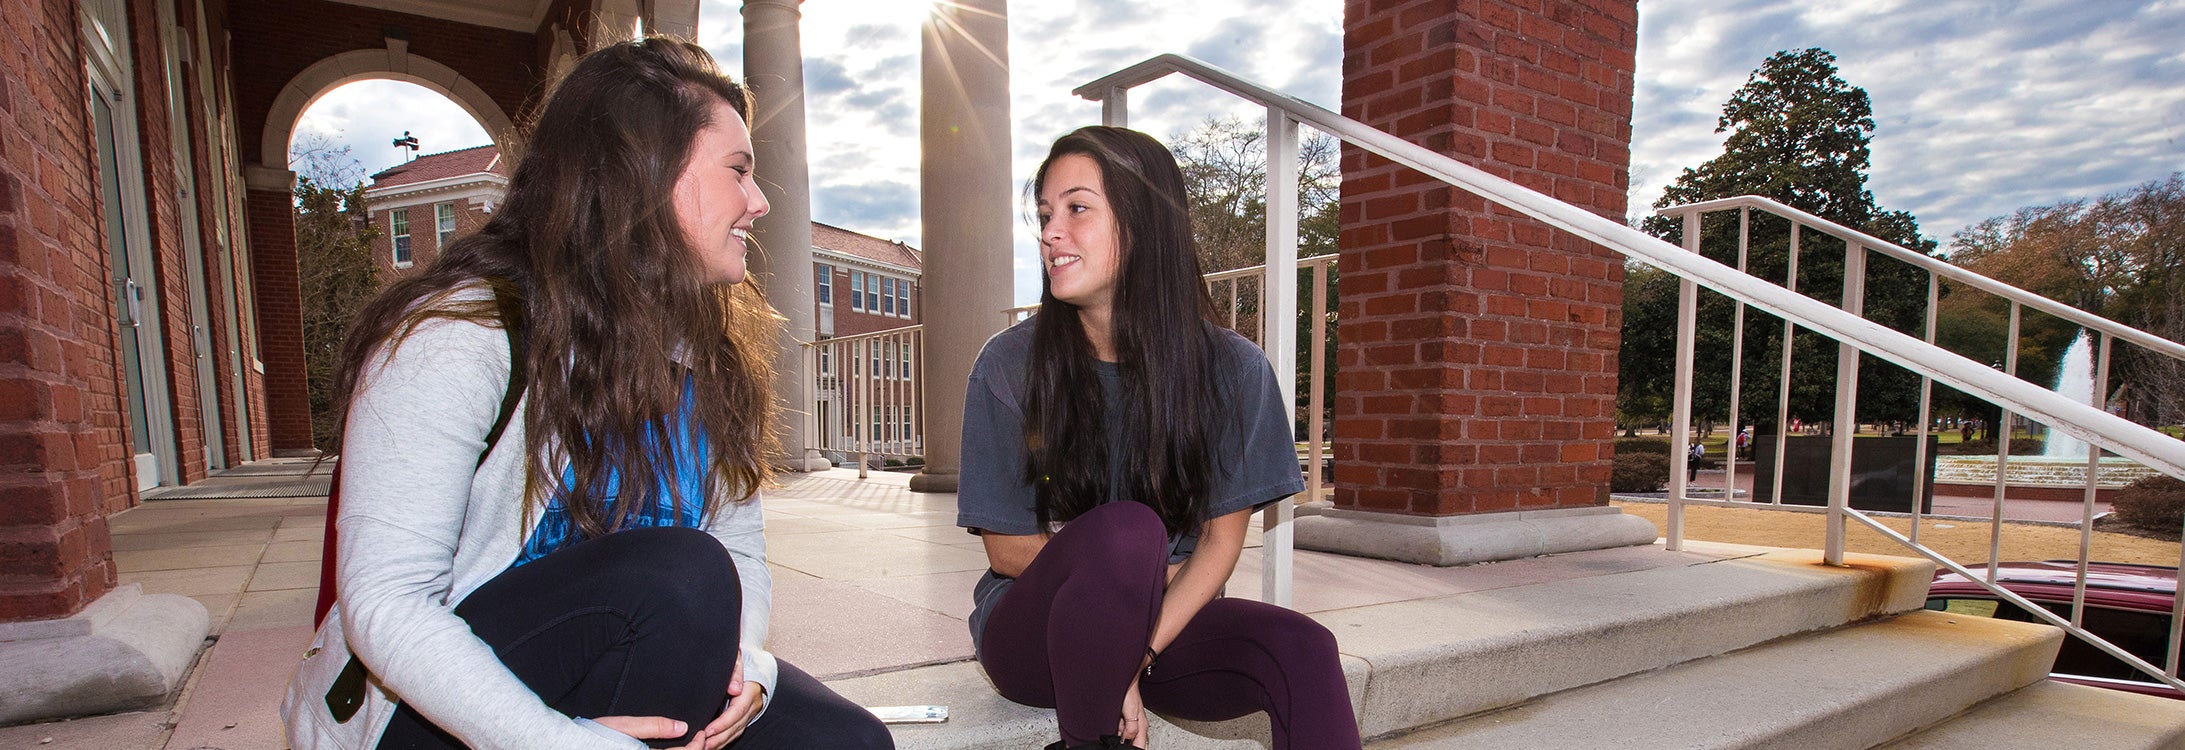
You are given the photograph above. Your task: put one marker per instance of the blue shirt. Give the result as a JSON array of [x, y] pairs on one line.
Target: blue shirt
[[689, 456]]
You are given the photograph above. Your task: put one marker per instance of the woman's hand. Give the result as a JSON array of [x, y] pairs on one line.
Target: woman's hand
[[745, 699], [644, 727], [1133, 725]]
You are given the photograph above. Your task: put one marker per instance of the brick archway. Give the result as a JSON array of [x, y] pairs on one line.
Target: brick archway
[[393, 63]]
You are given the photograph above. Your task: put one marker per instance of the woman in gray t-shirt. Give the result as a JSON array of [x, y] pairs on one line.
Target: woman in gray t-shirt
[[1114, 448]]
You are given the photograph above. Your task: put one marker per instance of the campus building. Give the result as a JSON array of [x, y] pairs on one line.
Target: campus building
[[423, 204]]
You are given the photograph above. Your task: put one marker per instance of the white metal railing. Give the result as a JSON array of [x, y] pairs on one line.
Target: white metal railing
[[865, 395], [1853, 332], [1858, 245]]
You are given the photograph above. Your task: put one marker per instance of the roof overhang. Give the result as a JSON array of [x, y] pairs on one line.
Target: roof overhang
[[513, 15]]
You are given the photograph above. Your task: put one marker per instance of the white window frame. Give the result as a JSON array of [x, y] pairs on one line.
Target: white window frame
[[824, 291], [443, 216], [398, 232], [857, 291]]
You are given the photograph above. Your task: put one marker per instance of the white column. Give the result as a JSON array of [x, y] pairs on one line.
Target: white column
[[774, 70], [966, 201]]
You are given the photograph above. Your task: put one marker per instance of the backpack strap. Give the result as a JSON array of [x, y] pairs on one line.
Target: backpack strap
[[512, 324]]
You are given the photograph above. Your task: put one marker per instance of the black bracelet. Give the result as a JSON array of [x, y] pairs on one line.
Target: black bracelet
[[1151, 657]]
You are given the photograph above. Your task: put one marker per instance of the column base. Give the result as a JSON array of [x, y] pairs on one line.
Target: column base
[[804, 461], [1459, 540], [127, 650], [930, 479]]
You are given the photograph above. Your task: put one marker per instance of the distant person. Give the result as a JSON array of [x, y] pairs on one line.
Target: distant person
[[1691, 465], [553, 440], [1115, 446]]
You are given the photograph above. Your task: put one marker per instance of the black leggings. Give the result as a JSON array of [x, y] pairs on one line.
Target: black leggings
[[639, 623]]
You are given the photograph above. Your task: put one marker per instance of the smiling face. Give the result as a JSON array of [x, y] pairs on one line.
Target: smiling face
[[1078, 240], [717, 199]]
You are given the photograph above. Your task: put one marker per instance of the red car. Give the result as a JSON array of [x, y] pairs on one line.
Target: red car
[[2128, 605]]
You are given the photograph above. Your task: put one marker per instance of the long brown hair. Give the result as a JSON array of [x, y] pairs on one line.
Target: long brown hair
[[1168, 407], [615, 314]]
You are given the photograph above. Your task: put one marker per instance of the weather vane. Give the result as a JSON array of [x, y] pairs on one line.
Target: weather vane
[[408, 143]]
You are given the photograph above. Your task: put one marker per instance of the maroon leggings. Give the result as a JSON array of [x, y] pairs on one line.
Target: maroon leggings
[[1070, 633]]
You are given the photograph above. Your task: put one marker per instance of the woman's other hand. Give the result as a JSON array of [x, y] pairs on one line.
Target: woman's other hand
[[745, 700], [1133, 725]]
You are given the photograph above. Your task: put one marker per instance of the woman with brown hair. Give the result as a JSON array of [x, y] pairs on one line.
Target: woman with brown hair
[[552, 445], [1114, 448]]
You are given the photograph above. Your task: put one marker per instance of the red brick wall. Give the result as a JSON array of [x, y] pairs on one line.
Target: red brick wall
[[62, 449], [280, 319], [1478, 349]]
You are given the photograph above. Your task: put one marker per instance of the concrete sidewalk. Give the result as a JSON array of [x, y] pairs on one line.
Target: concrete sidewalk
[[869, 578]]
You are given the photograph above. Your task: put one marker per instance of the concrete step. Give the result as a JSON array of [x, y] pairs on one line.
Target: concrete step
[[1421, 662], [2050, 714], [1849, 688]]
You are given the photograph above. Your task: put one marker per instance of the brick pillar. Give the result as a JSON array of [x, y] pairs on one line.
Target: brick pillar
[[1477, 369], [270, 209], [57, 366]]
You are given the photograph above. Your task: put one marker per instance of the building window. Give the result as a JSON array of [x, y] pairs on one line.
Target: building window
[[887, 296], [826, 358], [857, 290], [825, 291], [874, 349], [902, 298], [906, 362], [444, 215], [400, 217], [872, 294]]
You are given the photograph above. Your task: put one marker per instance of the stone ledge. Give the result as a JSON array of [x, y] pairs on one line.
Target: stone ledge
[[1460, 540], [127, 650]]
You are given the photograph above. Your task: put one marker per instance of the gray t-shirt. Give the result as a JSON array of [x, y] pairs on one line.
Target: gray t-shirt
[[1254, 456]]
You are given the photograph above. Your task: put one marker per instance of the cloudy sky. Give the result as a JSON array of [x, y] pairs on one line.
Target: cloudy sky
[[1980, 106]]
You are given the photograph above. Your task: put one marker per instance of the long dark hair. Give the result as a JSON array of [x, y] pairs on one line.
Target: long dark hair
[[1162, 323], [616, 316]]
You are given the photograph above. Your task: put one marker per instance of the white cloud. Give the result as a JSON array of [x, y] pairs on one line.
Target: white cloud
[[1980, 108]]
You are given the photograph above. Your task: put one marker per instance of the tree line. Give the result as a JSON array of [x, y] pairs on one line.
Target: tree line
[[1798, 133]]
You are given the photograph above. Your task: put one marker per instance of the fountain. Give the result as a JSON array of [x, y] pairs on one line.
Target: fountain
[[2059, 473], [2074, 380]]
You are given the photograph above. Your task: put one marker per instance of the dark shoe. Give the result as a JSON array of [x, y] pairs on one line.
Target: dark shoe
[[1106, 742]]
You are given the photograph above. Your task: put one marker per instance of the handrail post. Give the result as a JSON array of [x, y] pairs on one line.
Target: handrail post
[[1846, 425], [1115, 107], [1737, 364], [1278, 333], [1782, 390], [1680, 422]]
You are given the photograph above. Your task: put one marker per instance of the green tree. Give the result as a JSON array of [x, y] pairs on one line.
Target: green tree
[[334, 266], [1799, 134]]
